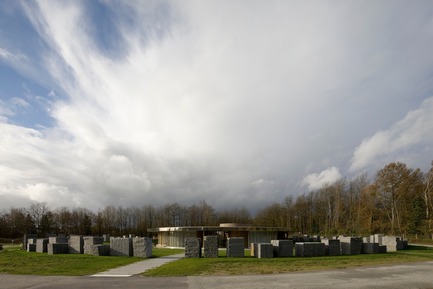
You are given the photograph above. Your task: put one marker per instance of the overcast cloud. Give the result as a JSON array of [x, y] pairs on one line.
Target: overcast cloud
[[239, 103]]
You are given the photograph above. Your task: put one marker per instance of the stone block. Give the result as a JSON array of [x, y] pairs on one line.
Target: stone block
[[27, 238], [210, 247], [392, 243], [58, 248], [310, 249], [350, 245], [57, 240], [76, 244], [376, 238], [382, 249], [31, 241], [106, 237], [90, 241], [121, 247], [282, 248], [370, 248], [332, 247], [142, 247], [253, 250], [99, 250], [265, 250], [31, 247], [192, 248], [235, 247], [41, 245]]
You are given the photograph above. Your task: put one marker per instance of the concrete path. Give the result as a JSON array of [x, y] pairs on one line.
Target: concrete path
[[139, 267]]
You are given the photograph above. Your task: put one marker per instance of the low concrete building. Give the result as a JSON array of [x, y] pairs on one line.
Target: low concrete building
[[176, 236]]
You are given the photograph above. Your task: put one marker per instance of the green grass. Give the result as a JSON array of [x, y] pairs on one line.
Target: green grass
[[161, 252], [250, 265], [16, 261]]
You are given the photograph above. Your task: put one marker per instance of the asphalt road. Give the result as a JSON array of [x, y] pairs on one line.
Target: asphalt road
[[416, 275]]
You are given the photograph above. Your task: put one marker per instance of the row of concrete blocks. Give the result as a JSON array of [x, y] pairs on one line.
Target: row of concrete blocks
[[331, 247], [137, 246], [193, 248], [277, 248], [235, 247], [393, 243]]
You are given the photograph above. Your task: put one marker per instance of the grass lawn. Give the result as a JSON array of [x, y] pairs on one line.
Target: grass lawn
[[250, 265], [16, 261]]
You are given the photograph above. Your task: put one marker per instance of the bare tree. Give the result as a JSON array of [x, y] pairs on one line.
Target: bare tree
[[36, 211]]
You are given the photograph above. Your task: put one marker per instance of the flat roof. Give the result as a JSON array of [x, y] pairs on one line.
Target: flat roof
[[236, 227]]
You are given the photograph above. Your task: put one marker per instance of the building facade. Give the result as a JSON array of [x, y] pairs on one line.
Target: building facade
[[174, 237]]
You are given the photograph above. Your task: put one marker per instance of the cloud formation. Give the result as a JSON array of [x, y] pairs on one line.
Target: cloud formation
[[237, 103], [407, 139], [317, 180]]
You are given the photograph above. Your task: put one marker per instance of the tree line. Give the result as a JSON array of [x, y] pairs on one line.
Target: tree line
[[398, 200]]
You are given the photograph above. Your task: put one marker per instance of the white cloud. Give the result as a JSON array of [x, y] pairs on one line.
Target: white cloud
[[317, 180], [7, 55], [203, 101], [406, 137]]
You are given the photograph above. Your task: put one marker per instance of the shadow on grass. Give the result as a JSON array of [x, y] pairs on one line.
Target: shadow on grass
[[419, 248]]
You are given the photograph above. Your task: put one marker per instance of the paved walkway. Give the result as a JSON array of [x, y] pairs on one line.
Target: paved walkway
[[139, 267]]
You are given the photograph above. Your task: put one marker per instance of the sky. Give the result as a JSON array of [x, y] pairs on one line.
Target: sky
[[239, 103]]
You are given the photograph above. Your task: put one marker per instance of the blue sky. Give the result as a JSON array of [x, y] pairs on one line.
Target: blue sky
[[239, 103]]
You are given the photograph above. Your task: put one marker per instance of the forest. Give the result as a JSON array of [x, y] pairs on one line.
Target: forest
[[397, 200]]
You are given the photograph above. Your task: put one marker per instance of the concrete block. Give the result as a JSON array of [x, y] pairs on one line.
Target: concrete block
[[332, 247], [57, 240], [377, 238], [90, 241], [121, 247], [265, 250], [142, 247], [27, 238], [282, 248], [235, 247], [106, 238], [58, 248], [99, 250], [76, 244], [392, 243], [310, 249], [41, 245], [210, 247], [253, 250], [31, 247], [370, 248], [192, 248], [350, 245]]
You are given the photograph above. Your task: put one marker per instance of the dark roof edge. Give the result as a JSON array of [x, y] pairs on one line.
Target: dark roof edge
[[214, 228]]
